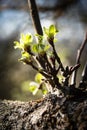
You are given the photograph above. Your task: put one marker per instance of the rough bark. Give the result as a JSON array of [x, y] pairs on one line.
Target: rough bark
[[49, 113]]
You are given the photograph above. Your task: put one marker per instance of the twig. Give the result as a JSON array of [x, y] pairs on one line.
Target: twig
[[35, 16], [84, 73], [79, 53], [46, 75], [83, 82], [56, 56]]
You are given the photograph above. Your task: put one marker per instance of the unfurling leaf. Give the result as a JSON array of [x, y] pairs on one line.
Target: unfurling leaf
[[44, 91], [18, 45], [26, 57], [33, 87], [51, 31], [40, 38], [26, 38], [25, 42], [38, 77], [46, 31], [40, 48]]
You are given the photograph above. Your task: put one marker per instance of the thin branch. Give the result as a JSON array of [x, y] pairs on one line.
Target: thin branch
[[79, 53], [57, 58], [84, 73], [35, 16], [83, 82], [46, 75]]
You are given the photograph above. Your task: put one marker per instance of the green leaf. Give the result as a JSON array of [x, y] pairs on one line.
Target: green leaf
[[46, 31], [18, 45], [32, 86], [40, 48], [55, 40], [43, 88], [51, 31], [40, 38], [35, 48], [26, 39], [38, 78], [26, 55], [25, 42], [44, 91], [46, 48]]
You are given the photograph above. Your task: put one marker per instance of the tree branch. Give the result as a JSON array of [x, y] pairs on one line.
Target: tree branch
[[79, 53], [83, 82], [35, 16], [56, 55], [84, 74]]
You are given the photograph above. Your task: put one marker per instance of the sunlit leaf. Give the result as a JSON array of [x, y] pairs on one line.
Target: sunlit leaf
[[44, 91], [55, 40], [33, 87], [25, 42], [51, 31], [24, 60], [18, 45], [40, 48], [38, 77], [26, 55], [46, 48], [39, 37], [46, 31], [26, 38], [35, 48]]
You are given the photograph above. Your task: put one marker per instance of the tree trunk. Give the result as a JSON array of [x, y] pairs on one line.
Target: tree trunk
[[49, 113]]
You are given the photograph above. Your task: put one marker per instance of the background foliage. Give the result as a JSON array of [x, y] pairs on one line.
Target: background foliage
[[69, 17]]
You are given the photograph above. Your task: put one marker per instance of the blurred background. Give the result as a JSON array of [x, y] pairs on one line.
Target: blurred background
[[69, 16]]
